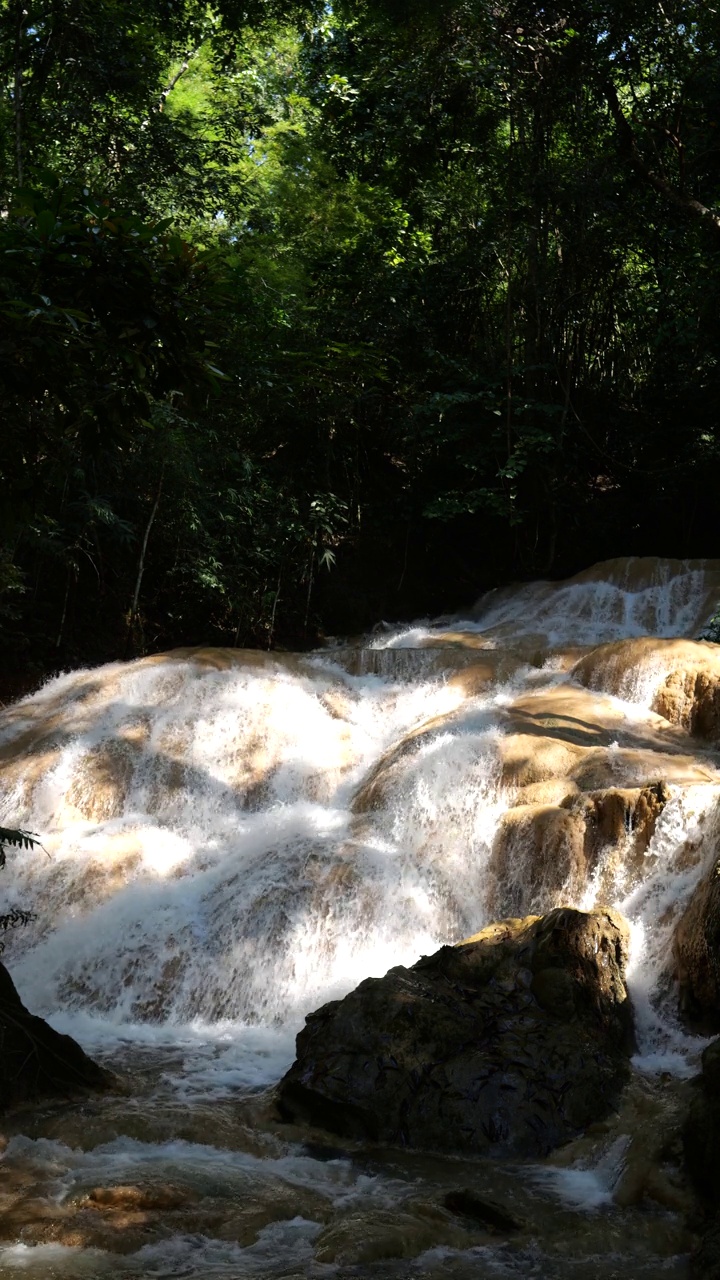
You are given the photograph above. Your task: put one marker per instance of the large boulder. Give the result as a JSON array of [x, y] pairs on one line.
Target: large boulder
[[37, 1062], [701, 1133], [696, 951], [511, 1042], [701, 1148], [705, 1260]]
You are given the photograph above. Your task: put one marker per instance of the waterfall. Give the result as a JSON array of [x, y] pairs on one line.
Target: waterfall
[[233, 837]]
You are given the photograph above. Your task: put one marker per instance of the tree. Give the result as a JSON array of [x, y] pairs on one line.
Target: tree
[[304, 309]]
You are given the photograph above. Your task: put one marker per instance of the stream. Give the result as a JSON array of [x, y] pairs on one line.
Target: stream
[[231, 838]]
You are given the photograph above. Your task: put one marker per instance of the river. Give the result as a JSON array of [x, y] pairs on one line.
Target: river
[[232, 838]]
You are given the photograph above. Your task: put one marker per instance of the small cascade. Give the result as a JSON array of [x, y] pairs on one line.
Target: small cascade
[[232, 836], [614, 600]]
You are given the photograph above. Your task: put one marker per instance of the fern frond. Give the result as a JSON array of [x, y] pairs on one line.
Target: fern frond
[[15, 838]]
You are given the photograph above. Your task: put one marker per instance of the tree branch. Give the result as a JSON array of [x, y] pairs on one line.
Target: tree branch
[[184, 65], [628, 142], [141, 565]]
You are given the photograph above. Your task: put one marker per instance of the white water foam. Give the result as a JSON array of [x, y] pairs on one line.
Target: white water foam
[[690, 821], [614, 601], [587, 1187], [212, 873], [228, 829], [207, 1170]]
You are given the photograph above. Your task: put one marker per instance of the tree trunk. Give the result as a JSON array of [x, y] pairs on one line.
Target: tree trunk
[[628, 142], [141, 563], [18, 91]]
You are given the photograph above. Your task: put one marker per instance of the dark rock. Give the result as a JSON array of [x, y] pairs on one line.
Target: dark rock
[[380, 1234], [492, 1216], [701, 1150], [323, 1151], [512, 1042], [36, 1061], [696, 949], [701, 1131], [705, 1260]]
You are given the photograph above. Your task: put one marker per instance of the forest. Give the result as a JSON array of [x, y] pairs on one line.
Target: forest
[[313, 315]]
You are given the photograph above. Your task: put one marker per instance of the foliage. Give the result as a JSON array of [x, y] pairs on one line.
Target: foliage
[[18, 839], [712, 629], [310, 315]]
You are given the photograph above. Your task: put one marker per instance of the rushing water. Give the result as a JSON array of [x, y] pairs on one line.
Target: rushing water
[[232, 838]]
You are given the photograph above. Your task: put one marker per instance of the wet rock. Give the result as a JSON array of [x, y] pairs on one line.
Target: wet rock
[[141, 1199], [279, 1203], [548, 846], [652, 1169], [512, 1042], [89, 1229], [621, 814], [690, 697], [545, 852], [701, 1132], [123, 1218], [696, 952], [372, 1237], [492, 1216], [705, 1261], [30, 1210], [701, 1149], [583, 740], [119, 1219], [683, 677], [37, 1062], [539, 853]]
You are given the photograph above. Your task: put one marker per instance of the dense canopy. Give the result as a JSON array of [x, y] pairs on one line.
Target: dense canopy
[[312, 315]]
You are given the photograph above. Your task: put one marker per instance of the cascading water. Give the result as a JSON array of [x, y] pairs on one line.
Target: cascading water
[[233, 838]]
